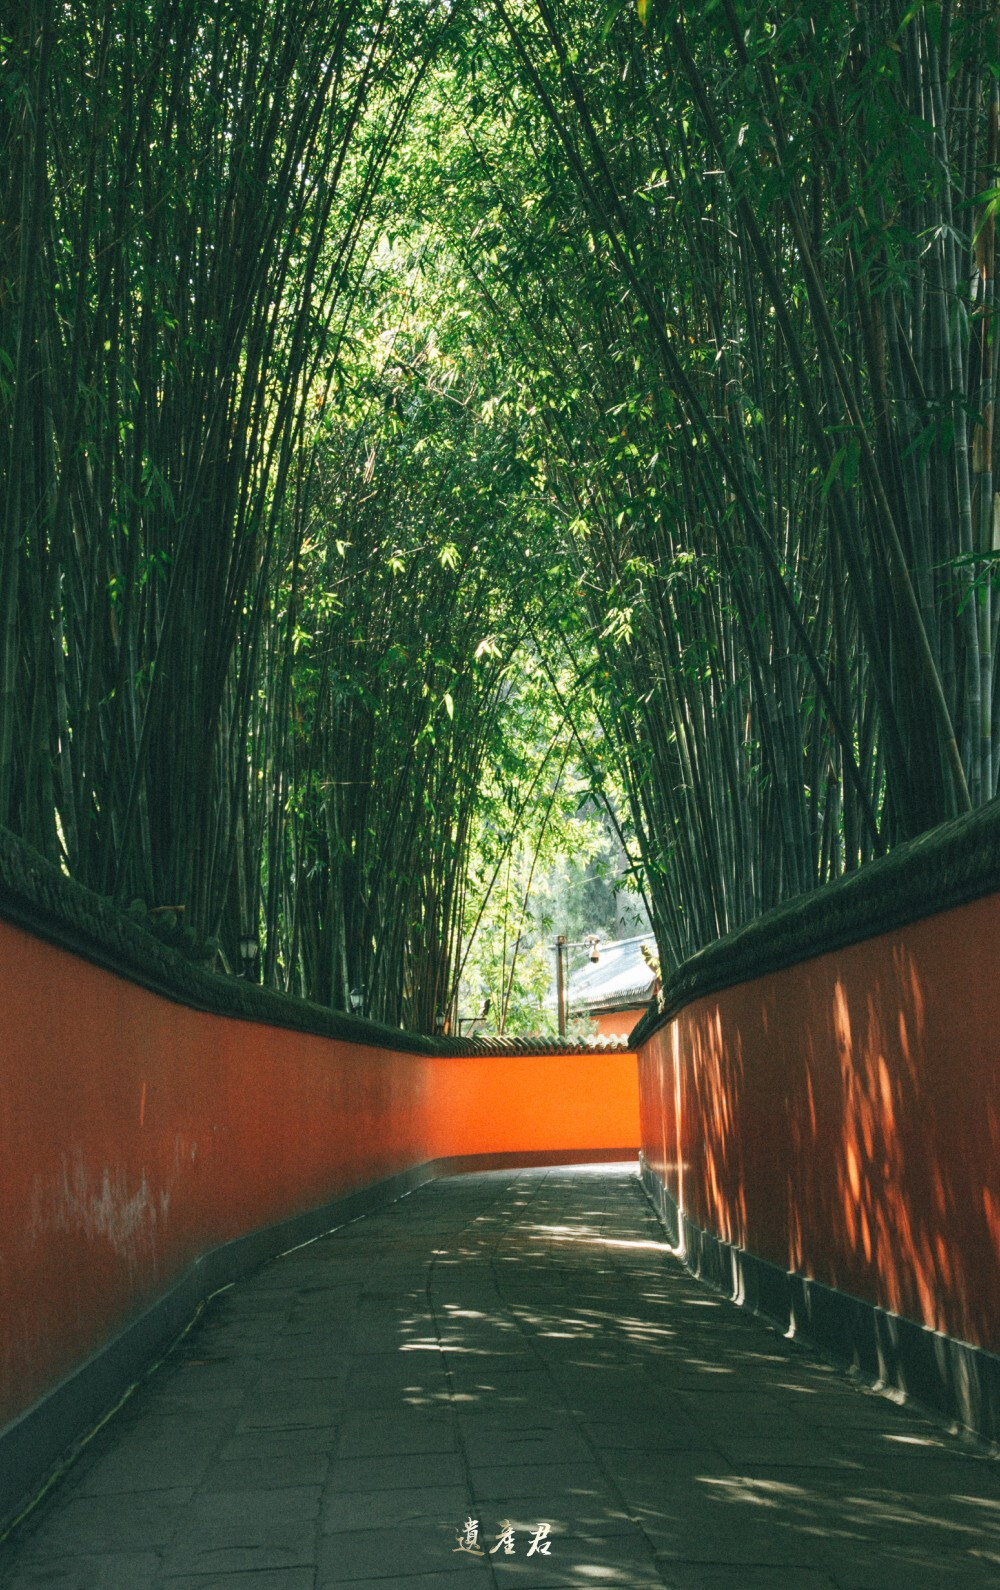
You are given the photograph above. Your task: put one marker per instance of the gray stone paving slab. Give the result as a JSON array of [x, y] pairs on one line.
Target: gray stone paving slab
[[394, 1510], [719, 1576], [515, 1348], [265, 1579], [353, 1554], [295, 1469], [87, 1571], [103, 1525], [477, 1578], [234, 1512], [426, 1434], [581, 1515], [271, 1447]]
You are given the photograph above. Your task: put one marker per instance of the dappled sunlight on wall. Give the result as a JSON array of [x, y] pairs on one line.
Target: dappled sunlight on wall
[[840, 1119]]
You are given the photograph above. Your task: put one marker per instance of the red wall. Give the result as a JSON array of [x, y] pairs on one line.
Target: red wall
[[841, 1119], [618, 1023], [138, 1134], [489, 1104]]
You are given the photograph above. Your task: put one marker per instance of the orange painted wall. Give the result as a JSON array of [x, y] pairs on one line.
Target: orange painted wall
[[618, 1023], [137, 1134], [488, 1104], [841, 1118]]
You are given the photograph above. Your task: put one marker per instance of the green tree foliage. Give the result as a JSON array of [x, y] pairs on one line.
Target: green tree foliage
[[743, 262], [392, 657], [186, 191], [426, 426]]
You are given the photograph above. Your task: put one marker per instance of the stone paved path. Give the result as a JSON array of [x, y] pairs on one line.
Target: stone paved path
[[511, 1347]]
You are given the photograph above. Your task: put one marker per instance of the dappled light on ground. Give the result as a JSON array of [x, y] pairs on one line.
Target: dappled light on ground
[[514, 1349]]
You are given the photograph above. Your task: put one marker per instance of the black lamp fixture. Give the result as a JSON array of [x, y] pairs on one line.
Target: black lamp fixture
[[249, 950], [357, 998]]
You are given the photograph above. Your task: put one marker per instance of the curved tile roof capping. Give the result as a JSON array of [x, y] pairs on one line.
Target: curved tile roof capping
[[543, 1043], [36, 895]]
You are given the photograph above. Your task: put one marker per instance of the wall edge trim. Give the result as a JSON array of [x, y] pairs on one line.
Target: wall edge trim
[[955, 1380], [37, 897], [950, 865]]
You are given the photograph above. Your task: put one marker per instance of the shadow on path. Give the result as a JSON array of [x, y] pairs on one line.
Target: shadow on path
[[494, 1354]]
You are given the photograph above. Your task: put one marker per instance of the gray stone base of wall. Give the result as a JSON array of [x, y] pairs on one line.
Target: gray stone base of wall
[[956, 1380], [39, 1443]]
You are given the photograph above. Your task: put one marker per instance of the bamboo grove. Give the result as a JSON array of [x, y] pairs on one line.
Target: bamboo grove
[[417, 416], [752, 296]]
